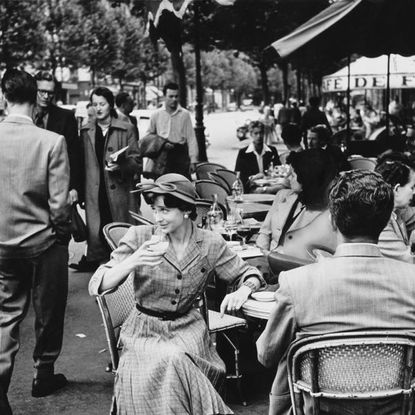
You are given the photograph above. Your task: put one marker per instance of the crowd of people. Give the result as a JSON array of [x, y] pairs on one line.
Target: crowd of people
[[168, 363]]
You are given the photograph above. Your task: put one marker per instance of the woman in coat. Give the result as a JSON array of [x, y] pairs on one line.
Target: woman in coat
[[299, 217], [107, 183], [168, 363], [394, 239]]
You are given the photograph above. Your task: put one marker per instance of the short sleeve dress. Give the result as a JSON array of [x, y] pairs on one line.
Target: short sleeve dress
[[171, 366]]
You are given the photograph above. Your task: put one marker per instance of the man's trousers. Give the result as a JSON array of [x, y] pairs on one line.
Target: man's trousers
[[46, 277]]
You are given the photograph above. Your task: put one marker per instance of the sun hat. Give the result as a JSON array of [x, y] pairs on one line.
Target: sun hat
[[173, 184]]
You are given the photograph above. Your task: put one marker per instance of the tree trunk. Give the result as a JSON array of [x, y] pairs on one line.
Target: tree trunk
[[284, 69], [264, 82], [179, 74]]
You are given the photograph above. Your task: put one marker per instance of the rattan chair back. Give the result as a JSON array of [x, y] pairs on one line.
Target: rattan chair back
[[116, 305], [219, 179], [202, 170], [207, 188], [228, 175], [362, 163], [141, 220], [365, 365]]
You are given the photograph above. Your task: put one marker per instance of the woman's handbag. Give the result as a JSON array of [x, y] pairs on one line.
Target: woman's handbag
[[78, 227]]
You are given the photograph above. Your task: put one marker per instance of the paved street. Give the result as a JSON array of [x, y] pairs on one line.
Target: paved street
[[84, 354]]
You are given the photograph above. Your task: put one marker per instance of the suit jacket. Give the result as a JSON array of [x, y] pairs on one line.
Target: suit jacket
[[247, 163], [394, 239], [63, 122], [310, 227], [357, 289], [34, 185]]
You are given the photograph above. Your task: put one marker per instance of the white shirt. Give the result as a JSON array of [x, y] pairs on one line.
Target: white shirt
[[259, 157], [176, 127]]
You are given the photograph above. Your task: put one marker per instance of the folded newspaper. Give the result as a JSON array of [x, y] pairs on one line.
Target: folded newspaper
[[114, 156]]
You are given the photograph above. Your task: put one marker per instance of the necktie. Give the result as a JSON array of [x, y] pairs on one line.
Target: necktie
[[40, 119]]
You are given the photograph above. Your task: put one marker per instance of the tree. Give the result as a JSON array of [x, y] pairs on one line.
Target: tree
[[20, 39]]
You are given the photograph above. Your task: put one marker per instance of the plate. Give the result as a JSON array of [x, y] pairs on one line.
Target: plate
[[263, 296]]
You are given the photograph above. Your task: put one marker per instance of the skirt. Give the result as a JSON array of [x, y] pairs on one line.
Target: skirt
[[168, 367]]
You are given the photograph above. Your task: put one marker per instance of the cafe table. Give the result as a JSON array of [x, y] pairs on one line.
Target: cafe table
[[254, 210], [255, 198]]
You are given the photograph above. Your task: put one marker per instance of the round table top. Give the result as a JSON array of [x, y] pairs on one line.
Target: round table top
[[255, 210], [256, 198]]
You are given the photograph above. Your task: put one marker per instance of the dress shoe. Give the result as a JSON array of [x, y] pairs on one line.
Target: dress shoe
[[85, 266], [48, 385]]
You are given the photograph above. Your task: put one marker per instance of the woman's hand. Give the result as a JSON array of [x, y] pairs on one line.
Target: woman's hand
[[145, 255], [235, 300]]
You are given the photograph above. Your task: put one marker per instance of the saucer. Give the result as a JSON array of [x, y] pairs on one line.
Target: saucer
[[263, 296]]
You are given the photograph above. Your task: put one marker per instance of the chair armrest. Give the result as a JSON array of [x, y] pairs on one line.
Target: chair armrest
[[281, 262]]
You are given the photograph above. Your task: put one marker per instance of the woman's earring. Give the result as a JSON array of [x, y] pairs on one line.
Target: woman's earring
[[186, 216]]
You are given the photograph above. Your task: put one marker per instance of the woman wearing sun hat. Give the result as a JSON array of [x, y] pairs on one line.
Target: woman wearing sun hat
[[168, 363]]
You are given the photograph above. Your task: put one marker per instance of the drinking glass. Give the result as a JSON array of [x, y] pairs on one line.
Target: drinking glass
[[243, 231], [230, 226]]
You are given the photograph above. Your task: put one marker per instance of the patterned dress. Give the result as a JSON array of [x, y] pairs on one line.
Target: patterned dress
[[171, 366]]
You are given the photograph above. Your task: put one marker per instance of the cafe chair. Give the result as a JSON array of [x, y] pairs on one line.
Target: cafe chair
[[219, 179], [354, 366], [224, 326], [115, 305], [207, 188], [279, 262], [228, 175], [202, 170], [362, 163], [141, 220]]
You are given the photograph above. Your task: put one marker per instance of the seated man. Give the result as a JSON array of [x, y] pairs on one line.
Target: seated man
[[320, 136], [255, 159], [291, 135], [349, 292]]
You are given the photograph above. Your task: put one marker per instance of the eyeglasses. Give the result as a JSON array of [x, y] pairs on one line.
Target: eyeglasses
[[44, 92]]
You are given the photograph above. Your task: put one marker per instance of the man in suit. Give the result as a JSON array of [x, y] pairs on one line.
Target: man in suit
[[61, 121], [34, 236], [349, 292], [255, 159]]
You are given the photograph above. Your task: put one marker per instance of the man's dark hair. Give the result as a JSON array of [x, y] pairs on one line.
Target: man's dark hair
[[323, 134], [45, 76], [315, 170], [257, 124], [360, 203], [19, 87], [394, 172], [101, 91], [170, 85], [291, 134], [314, 102], [121, 98]]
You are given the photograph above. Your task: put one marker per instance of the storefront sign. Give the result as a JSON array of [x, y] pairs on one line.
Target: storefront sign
[[339, 83]]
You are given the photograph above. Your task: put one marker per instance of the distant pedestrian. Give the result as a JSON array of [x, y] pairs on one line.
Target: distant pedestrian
[[313, 116], [173, 123], [125, 105], [34, 236], [61, 121]]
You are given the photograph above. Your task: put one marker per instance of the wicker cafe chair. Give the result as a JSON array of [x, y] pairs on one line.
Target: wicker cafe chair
[[202, 170], [228, 175], [223, 326], [115, 305], [362, 163], [219, 179], [141, 220], [352, 365], [207, 188]]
